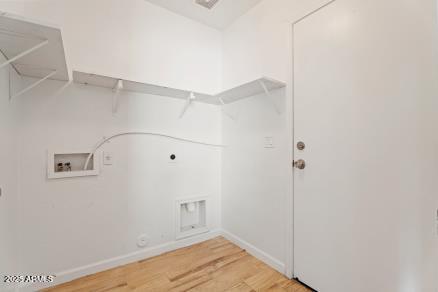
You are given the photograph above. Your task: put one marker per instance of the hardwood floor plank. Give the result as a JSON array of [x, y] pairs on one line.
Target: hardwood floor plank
[[210, 263], [241, 287], [159, 283], [190, 282], [288, 285], [230, 275], [213, 265], [264, 280]]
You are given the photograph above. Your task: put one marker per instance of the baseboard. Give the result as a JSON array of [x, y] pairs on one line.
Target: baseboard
[[69, 275], [254, 251]]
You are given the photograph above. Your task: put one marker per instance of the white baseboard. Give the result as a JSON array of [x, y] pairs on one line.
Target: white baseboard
[[254, 251], [69, 275]]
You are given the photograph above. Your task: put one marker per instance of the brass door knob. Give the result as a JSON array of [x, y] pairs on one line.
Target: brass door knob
[[300, 164]]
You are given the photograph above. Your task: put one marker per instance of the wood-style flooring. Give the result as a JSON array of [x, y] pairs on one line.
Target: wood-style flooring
[[213, 265]]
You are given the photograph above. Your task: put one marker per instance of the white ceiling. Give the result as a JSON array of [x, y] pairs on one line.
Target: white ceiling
[[222, 14]]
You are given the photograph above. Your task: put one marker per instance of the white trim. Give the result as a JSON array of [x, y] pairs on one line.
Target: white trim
[[313, 11], [72, 274], [256, 252], [69, 275], [289, 265]]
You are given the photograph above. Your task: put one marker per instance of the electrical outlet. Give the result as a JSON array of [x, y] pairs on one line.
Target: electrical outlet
[[107, 158], [269, 142], [143, 240]]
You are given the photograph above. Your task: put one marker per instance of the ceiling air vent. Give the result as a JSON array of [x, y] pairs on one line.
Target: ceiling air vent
[[207, 3]]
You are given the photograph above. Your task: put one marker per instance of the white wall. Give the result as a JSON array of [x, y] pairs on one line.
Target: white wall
[[254, 178], [143, 42], [258, 43], [428, 105], [81, 221], [132, 40], [77, 222], [8, 177]]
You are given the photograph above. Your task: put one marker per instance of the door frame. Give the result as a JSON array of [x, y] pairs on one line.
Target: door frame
[[290, 102]]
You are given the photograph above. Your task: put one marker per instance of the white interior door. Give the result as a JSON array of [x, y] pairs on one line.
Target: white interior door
[[357, 72]]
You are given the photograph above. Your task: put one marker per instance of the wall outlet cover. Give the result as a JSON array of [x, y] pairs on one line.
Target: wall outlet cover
[[108, 158], [269, 142], [143, 240]]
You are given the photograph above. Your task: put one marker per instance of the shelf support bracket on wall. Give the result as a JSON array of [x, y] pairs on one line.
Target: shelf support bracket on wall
[[224, 111], [268, 94], [32, 85], [117, 89], [19, 56], [189, 101]]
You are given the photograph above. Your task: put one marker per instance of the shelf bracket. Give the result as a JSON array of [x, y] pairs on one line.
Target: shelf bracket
[[189, 101], [19, 56], [32, 85], [268, 94], [224, 111], [117, 89]]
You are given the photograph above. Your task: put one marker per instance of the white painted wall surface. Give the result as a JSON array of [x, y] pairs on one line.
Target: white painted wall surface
[[429, 154], [8, 177], [254, 178], [258, 43], [74, 222], [133, 40]]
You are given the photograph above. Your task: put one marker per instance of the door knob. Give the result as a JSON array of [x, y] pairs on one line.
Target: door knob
[[300, 164]]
